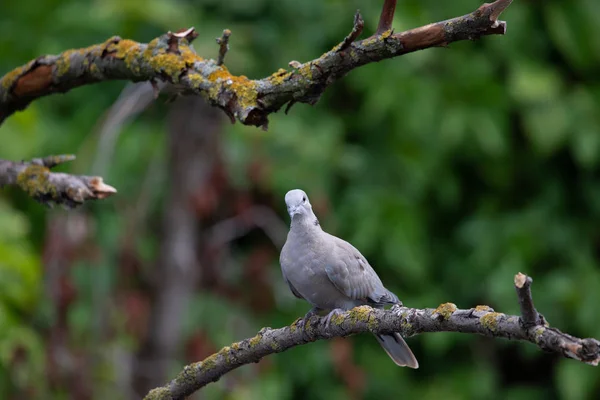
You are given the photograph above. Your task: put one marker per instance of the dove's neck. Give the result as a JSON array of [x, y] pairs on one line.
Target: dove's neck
[[305, 223]]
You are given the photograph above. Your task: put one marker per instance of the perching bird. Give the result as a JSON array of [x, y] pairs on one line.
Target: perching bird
[[332, 275]]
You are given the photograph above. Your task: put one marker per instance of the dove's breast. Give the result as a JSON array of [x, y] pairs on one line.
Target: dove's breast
[[303, 261]]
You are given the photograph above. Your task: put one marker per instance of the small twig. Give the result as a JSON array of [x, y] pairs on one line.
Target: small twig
[[50, 188], [529, 315], [387, 16], [357, 29], [497, 8], [289, 106], [223, 43]]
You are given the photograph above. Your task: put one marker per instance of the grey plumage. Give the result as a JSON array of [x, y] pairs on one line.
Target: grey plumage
[[331, 274]]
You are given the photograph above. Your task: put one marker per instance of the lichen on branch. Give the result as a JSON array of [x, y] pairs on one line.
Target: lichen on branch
[[170, 58], [50, 188]]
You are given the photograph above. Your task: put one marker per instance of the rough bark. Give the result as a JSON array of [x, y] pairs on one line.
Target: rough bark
[[447, 317], [170, 58], [50, 188]]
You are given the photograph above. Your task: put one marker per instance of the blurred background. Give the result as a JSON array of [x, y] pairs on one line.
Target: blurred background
[[451, 169]]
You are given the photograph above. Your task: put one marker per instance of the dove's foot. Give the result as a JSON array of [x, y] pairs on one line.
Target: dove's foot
[[334, 313], [312, 312]]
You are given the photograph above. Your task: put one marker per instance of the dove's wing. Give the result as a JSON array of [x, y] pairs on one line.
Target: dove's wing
[[352, 275], [292, 288]]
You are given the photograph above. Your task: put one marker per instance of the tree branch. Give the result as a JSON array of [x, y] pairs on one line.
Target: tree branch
[[357, 29], [170, 58], [223, 43], [386, 17], [49, 188], [480, 320], [529, 315]]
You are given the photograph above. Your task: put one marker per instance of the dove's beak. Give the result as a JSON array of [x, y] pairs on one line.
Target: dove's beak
[[293, 210]]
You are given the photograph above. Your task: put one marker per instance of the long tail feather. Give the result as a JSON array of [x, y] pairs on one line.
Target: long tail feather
[[395, 346]]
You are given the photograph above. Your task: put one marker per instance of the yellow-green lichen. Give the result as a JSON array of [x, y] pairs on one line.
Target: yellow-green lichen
[[122, 47], [160, 393], [34, 181], [10, 78], [94, 70], [370, 41], [490, 321], [406, 326], [483, 308], [195, 79], [255, 340], [235, 346], [337, 319], [363, 314], [220, 73], [294, 326], [305, 71], [274, 346], [280, 76], [210, 362], [188, 375], [309, 328], [126, 50], [63, 63], [244, 88], [539, 332], [170, 63], [225, 352], [445, 310], [108, 45], [386, 34], [188, 55]]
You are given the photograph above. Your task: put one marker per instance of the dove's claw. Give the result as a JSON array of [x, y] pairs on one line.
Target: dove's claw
[[334, 312], [312, 312]]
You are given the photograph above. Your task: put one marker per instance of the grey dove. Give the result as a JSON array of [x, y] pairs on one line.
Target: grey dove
[[332, 275]]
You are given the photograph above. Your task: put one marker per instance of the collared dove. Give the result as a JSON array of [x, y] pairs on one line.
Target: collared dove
[[332, 275]]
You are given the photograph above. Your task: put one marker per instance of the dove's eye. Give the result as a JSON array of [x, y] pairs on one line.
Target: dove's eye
[[304, 199]]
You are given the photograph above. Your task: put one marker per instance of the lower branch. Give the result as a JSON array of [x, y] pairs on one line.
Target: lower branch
[[480, 320], [50, 188], [170, 58]]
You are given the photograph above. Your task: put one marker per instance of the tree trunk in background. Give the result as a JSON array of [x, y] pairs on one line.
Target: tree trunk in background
[[194, 130]]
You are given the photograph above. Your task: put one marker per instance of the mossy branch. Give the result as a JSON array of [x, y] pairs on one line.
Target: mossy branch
[[170, 58], [50, 188], [447, 317]]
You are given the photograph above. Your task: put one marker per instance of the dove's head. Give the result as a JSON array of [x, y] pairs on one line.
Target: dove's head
[[298, 204]]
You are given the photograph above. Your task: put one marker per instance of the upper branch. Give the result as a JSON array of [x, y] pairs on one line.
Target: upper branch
[[170, 58], [223, 43], [49, 188], [480, 320], [387, 16]]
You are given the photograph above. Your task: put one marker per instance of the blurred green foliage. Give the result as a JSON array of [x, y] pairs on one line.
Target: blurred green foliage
[[450, 169]]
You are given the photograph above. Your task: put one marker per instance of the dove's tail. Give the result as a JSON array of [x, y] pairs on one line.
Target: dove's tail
[[398, 350]]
